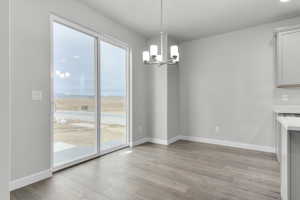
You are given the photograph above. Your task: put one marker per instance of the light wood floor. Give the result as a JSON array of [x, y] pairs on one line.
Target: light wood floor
[[184, 170]]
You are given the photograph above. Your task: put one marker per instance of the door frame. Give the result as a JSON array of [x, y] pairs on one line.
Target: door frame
[[98, 38], [128, 85]]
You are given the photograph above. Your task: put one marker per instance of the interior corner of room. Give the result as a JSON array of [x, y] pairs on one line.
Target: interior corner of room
[[162, 99]]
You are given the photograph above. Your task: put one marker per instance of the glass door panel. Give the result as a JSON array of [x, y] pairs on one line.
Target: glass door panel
[[74, 94], [113, 100]]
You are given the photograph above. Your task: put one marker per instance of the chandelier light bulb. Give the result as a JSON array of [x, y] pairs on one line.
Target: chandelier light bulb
[[153, 50], [146, 56], [174, 51]]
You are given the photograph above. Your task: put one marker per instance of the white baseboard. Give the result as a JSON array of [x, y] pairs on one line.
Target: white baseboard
[[140, 141], [157, 141], [22, 182], [206, 140], [229, 144], [174, 139]]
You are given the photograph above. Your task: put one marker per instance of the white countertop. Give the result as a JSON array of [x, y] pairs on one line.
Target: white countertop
[[290, 123], [288, 109]]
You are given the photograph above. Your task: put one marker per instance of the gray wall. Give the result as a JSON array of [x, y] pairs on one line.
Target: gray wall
[[228, 81], [4, 100], [173, 96], [173, 101], [163, 97], [31, 69], [157, 97]]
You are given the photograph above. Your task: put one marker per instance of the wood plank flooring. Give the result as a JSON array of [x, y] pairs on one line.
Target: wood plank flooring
[[181, 171]]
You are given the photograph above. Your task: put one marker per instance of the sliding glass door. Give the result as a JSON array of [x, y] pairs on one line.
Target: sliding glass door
[[74, 93], [113, 96], [89, 94]]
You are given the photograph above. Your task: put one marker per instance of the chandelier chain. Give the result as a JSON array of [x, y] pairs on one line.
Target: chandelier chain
[[161, 15]]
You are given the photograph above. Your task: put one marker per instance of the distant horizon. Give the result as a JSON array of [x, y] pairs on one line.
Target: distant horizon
[[104, 94]]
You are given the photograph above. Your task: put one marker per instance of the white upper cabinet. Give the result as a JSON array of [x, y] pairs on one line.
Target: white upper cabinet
[[288, 57]]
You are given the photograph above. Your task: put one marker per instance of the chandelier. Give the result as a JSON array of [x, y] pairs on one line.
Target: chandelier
[[151, 56]]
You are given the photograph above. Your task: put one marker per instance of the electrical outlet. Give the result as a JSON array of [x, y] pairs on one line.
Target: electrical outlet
[[217, 129], [37, 95]]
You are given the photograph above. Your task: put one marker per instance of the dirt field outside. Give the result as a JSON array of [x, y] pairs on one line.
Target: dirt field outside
[[80, 129]]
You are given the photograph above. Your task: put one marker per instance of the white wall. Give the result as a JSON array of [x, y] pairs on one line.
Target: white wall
[[4, 100], [228, 81], [31, 69]]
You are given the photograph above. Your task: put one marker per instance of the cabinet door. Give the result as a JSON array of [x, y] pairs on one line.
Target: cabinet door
[[285, 164], [277, 130], [295, 166], [288, 58]]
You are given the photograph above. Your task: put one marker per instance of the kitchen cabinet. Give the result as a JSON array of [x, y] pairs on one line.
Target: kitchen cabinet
[[289, 148], [288, 57]]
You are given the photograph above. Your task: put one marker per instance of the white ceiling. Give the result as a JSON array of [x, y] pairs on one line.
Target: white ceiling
[[191, 19]]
